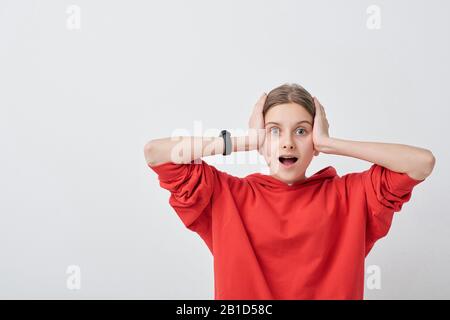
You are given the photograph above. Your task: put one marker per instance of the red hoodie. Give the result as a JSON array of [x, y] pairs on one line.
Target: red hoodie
[[271, 240]]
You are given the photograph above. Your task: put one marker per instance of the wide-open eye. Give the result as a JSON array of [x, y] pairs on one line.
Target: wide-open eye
[[301, 131], [274, 131]]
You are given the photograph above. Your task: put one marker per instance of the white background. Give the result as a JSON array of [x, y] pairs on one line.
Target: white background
[[78, 105]]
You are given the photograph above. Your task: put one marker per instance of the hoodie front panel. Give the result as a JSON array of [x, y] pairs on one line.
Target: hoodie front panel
[[274, 241]]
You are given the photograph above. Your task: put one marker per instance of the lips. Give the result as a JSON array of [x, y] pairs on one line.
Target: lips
[[287, 160]]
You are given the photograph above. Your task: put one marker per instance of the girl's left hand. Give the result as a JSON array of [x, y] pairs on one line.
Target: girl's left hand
[[320, 127]]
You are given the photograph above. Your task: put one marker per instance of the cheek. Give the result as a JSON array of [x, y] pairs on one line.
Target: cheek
[[272, 145], [266, 150], [306, 143], [269, 151]]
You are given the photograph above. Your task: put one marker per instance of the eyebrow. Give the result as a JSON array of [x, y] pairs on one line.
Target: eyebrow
[[295, 124]]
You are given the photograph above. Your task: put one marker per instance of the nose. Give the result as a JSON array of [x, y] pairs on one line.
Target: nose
[[288, 145]]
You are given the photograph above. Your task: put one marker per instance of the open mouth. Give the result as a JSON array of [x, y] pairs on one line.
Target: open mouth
[[287, 161]]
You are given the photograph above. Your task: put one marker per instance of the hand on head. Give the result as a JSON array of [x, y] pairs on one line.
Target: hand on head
[[256, 123]]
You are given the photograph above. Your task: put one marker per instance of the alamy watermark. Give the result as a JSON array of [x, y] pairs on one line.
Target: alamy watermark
[[73, 281], [374, 19], [73, 20]]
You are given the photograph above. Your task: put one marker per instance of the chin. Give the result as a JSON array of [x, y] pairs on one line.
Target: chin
[[288, 175], [291, 171]]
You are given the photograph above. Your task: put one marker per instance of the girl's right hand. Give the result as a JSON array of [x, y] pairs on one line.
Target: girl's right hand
[[256, 123]]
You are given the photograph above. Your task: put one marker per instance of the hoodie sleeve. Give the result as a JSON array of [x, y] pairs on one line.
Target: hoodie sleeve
[[191, 188], [384, 192]]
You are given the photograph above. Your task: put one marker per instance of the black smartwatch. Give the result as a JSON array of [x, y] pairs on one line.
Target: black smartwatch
[[226, 141]]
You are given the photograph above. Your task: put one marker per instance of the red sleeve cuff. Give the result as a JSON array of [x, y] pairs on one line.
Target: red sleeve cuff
[[170, 170], [402, 181]]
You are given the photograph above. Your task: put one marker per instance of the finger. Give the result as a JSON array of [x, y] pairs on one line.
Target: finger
[[320, 105], [317, 105], [261, 100], [322, 109]]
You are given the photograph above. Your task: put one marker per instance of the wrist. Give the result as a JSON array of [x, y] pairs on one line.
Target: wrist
[[325, 145], [243, 143]]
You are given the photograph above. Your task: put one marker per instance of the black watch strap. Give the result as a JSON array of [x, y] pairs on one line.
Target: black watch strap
[[226, 141]]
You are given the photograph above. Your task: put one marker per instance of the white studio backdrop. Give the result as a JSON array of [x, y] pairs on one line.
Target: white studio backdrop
[[85, 84]]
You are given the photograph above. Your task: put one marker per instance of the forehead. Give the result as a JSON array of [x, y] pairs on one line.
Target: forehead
[[288, 114]]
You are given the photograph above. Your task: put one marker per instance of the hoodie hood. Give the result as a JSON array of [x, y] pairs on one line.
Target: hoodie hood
[[272, 182]]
